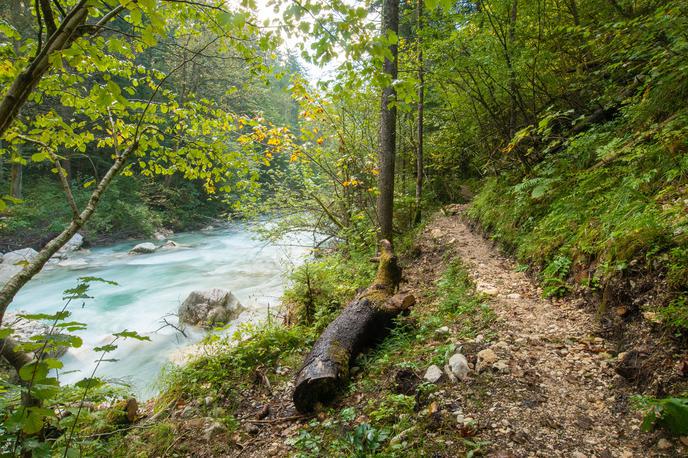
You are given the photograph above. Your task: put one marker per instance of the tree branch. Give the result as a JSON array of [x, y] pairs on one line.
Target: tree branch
[[60, 172]]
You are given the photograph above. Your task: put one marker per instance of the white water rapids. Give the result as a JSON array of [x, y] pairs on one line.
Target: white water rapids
[[151, 286]]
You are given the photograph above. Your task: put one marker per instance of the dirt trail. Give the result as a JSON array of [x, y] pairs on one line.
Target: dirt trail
[[559, 395]]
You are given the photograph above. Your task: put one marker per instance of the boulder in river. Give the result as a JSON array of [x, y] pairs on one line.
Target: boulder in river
[[73, 244], [25, 330], [143, 248], [211, 307], [170, 244], [14, 261], [19, 256]]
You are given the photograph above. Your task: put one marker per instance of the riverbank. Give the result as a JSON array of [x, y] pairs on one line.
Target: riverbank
[[131, 209]]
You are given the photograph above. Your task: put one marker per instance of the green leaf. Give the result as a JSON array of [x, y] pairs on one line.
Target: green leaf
[[97, 279], [33, 421], [34, 370], [675, 416], [59, 316], [40, 157], [89, 383], [131, 335], [53, 363]]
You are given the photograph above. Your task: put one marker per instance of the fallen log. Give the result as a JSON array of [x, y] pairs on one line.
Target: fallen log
[[365, 320]]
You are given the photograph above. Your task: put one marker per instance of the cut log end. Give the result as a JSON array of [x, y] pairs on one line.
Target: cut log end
[[313, 392]]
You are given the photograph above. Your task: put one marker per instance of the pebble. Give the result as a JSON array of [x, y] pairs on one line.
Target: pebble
[[215, 429], [433, 374], [664, 444], [252, 429], [444, 330], [458, 365], [501, 366], [485, 358]]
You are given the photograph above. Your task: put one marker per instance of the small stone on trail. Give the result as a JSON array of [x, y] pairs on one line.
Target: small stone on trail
[[436, 233], [252, 429], [486, 288], [208, 401], [578, 455], [444, 330], [215, 429], [501, 366], [664, 444], [433, 374], [486, 358], [458, 364], [513, 296]]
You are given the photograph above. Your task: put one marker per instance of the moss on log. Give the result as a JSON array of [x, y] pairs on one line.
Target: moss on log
[[364, 321]]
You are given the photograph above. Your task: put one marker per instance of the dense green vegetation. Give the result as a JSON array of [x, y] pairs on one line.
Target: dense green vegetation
[[132, 208]]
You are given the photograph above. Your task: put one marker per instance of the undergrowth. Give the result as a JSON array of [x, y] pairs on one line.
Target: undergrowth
[[610, 203], [390, 423]]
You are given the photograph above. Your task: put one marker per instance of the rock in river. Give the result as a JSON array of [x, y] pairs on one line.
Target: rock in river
[[14, 261], [143, 248], [209, 307]]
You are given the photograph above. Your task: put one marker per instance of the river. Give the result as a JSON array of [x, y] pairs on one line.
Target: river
[[150, 287]]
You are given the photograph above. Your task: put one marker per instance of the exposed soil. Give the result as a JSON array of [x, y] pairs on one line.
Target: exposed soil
[[554, 388]]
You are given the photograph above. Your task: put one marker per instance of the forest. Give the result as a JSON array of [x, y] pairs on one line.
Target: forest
[[449, 228]]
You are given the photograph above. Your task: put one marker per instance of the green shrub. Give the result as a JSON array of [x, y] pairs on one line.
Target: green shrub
[[320, 288], [554, 277], [670, 414]]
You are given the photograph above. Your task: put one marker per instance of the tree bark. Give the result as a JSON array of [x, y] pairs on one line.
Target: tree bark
[[421, 96], [388, 114], [18, 359], [28, 79], [365, 320], [16, 178]]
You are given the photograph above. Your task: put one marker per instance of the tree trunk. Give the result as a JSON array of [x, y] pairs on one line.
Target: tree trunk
[[512, 72], [365, 320], [421, 96], [388, 114], [16, 175], [18, 359]]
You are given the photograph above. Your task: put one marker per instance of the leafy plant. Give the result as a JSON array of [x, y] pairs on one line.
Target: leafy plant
[[670, 414], [554, 277]]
